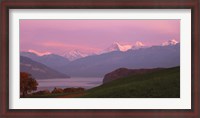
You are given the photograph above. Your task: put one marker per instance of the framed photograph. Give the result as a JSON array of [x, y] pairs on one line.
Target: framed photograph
[[100, 58]]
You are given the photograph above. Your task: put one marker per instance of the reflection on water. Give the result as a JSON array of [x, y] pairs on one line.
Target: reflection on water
[[84, 82]]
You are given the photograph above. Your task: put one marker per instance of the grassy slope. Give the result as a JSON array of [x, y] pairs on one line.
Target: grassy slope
[[160, 84]]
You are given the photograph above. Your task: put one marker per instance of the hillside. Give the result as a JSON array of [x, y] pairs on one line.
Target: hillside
[[51, 60], [124, 72], [163, 83], [38, 70]]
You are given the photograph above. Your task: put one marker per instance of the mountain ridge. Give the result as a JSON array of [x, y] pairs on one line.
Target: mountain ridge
[[51, 60], [38, 70]]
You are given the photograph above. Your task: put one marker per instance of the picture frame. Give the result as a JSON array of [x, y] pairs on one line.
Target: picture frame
[[89, 4]]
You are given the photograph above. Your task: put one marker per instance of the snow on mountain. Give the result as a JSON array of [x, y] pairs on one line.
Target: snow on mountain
[[138, 45], [117, 47], [123, 48], [75, 54], [39, 53], [71, 55], [170, 42]]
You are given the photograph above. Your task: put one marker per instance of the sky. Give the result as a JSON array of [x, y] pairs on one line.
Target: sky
[[58, 36]]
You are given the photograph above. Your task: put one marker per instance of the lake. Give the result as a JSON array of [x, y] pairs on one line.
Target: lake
[[83, 82]]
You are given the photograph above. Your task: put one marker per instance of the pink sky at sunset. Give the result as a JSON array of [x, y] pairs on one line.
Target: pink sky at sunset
[[58, 36]]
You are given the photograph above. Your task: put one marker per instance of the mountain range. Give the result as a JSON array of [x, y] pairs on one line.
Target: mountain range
[[99, 65], [116, 56]]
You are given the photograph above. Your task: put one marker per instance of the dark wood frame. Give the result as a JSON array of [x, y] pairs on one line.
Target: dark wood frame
[[103, 4]]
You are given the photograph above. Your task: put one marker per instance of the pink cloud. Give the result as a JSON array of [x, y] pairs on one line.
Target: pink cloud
[[59, 35], [67, 47]]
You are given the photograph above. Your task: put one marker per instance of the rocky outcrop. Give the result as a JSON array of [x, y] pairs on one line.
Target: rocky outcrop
[[124, 72]]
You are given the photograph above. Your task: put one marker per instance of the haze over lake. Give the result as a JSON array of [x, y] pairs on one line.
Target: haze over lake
[[85, 82]]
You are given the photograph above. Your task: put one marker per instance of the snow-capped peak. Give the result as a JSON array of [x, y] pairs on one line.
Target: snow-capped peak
[[75, 54], [39, 53], [118, 47], [170, 42], [139, 44], [116, 43]]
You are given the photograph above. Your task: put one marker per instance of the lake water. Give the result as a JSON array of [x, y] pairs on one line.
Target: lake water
[[84, 82]]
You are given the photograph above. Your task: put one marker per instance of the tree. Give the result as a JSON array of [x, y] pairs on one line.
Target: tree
[[27, 83]]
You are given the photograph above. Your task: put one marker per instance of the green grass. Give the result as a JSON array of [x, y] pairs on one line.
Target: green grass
[[159, 84]]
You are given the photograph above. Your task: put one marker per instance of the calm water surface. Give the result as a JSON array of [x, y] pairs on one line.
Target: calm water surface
[[84, 82]]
